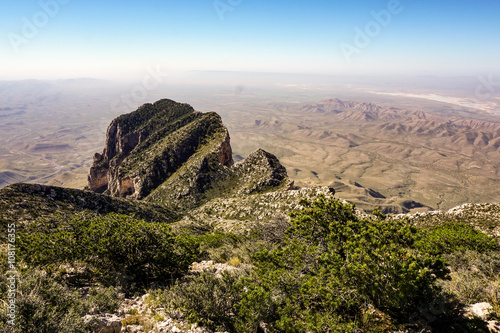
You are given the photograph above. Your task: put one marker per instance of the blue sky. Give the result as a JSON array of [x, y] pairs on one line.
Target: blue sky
[[119, 39]]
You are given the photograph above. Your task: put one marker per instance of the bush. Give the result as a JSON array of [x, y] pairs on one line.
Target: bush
[[475, 277], [223, 247], [104, 300], [333, 267], [207, 299], [119, 249], [47, 306], [146, 322], [451, 237]]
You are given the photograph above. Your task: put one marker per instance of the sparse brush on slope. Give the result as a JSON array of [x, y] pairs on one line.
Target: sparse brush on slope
[[334, 271], [116, 249]]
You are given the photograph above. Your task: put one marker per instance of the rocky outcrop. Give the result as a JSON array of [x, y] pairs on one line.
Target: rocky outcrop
[[481, 310], [258, 172], [98, 175], [144, 148], [225, 154], [166, 153], [104, 323], [203, 178]]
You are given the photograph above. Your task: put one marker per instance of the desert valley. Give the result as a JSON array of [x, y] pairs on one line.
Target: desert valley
[[401, 152]]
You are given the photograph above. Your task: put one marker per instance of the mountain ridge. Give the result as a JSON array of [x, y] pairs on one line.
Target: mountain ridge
[[436, 160]]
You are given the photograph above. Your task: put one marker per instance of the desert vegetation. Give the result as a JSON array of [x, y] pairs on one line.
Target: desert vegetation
[[324, 269], [234, 247]]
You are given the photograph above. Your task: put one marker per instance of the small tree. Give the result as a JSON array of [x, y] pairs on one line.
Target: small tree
[[118, 249], [334, 269]]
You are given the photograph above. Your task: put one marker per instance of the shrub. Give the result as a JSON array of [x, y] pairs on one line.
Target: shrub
[[223, 247], [44, 305], [119, 249], [451, 237], [146, 322], [103, 299], [207, 299], [235, 262], [333, 267], [475, 277]]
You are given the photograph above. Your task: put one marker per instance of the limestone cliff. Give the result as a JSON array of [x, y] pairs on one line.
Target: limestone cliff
[[170, 154], [144, 148]]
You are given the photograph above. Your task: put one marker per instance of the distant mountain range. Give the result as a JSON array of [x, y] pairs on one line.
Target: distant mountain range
[[434, 160]]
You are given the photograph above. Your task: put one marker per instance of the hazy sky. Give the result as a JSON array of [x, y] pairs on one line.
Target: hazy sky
[[49, 39]]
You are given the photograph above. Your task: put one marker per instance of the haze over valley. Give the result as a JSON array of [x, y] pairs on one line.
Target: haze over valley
[[376, 145]]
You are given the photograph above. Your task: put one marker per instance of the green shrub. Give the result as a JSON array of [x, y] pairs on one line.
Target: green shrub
[[451, 237], [145, 321], [475, 277], [207, 299], [104, 299], [48, 306], [119, 249], [333, 267], [223, 247]]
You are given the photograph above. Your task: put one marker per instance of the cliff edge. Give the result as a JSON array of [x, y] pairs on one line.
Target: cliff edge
[[145, 147], [168, 153]]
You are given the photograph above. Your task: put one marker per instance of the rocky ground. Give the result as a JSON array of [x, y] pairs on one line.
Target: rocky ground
[[140, 315]]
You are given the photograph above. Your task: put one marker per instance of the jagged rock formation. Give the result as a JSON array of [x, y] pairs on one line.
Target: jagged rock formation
[[170, 154], [144, 148], [198, 183]]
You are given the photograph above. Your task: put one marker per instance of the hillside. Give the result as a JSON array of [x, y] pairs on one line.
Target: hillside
[[213, 245]]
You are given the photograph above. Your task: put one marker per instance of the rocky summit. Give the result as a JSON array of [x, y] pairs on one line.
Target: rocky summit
[[146, 147], [168, 153]]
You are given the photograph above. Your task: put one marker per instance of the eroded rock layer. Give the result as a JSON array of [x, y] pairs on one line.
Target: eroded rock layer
[[145, 147]]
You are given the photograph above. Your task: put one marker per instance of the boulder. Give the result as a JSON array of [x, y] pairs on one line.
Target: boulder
[[106, 323], [481, 310], [134, 329]]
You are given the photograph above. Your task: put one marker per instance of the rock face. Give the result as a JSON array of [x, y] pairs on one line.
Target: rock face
[[145, 147], [166, 153]]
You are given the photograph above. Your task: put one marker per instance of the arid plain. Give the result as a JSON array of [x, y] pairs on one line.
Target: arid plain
[[377, 147]]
